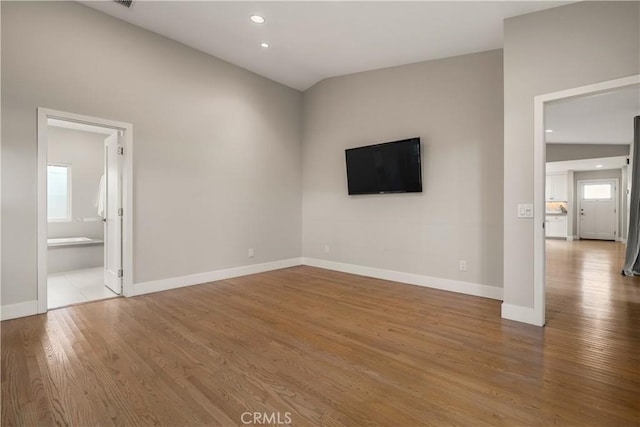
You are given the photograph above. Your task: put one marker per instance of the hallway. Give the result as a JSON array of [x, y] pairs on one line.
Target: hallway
[[584, 280], [594, 311]]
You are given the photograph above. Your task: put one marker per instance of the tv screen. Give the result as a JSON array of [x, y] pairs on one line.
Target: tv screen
[[393, 167]]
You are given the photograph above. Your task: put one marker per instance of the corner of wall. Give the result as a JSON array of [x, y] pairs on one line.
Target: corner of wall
[[23, 309], [521, 314]]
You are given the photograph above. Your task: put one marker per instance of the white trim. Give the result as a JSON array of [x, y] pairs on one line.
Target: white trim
[[42, 247], [127, 209], [32, 307], [624, 179], [522, 314], [539, 172], [467, 288], [539, 217], [616, 202], [211, 276], [571, 192], [21, 309], [127, 197]]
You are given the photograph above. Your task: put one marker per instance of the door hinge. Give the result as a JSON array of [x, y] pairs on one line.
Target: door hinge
[[120, 273], [121, 150], [120, 212]]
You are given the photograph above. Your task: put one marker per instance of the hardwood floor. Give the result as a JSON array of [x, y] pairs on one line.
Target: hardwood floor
[[335, 349]]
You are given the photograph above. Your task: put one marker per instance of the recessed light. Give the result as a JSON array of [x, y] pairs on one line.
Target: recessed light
[[549, 130], [264, 44], [599, 166], [257, 19]]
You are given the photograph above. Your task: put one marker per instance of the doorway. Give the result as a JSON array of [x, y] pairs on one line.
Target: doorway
[[598, 209], [84, 200], [541, 130]]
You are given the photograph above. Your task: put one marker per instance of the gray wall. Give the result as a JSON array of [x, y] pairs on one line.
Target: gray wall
[[561, 152], [600, 174], [548, 51], [84, 151], [455, 106], [216, 148]]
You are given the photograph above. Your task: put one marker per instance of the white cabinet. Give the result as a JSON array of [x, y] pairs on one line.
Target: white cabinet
[[556, 226], [556, 188]]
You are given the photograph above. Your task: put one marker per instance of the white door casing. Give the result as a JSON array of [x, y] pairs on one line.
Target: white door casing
[[112, 213], [127, 196], [536, 315]]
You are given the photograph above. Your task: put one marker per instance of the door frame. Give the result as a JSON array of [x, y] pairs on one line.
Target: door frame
[[43, 114], [539, 172], [616, 202]]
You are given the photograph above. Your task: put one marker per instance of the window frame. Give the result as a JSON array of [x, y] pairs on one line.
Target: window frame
[[69, 217], [611, 186]]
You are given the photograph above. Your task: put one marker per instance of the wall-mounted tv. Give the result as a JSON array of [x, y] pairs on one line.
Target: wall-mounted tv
[[392, 167]]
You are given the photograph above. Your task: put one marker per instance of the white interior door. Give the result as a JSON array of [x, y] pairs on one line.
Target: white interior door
[[113, 213], [598, 212]]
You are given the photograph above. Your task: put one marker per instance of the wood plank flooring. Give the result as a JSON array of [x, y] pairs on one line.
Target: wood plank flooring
[[334, 349]]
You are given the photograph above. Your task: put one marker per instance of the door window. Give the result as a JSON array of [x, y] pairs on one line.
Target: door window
[[597, 192]]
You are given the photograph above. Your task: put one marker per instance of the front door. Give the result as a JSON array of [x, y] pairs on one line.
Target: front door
[[598, 211]]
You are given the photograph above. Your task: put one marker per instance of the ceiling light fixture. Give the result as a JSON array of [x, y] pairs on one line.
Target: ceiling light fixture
[[599, 166], [264, 44], [257, 19], [549, 130]]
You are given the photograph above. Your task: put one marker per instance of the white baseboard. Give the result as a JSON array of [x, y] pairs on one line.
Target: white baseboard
[[521, 314], [211, 276], [22, 309], [475, 289], [29, 308]]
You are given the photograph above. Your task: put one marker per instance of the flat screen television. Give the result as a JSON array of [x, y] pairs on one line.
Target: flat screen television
[[392, 167]]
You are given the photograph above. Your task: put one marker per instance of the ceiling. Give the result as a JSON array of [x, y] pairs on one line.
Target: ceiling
[[311, 41], [587, 164], [603, 118]]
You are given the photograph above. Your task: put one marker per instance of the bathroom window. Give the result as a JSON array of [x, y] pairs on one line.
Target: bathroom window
[[59, 193]]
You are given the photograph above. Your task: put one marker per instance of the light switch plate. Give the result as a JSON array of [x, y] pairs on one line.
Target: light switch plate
[[525, 210]]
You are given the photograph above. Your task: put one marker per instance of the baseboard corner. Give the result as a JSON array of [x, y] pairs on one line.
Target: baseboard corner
[[521, 314]]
